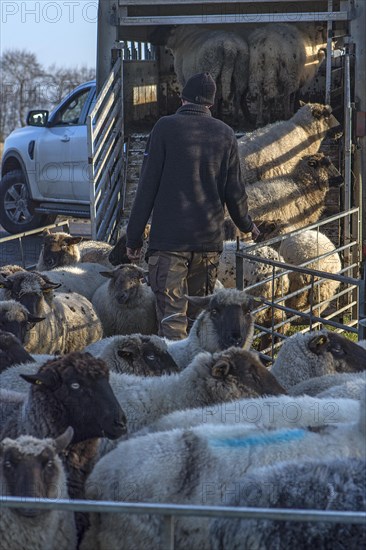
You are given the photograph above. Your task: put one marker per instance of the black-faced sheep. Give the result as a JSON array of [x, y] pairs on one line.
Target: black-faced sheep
[[15, 318], [70, 322], [276, 149], [226, 320], [12, 351], [198, 466], [310, 355], [125, 304], [253, 273], [31, 468], [283, 204], [136, 354], [330, 485], [70, 391], [223, 376], [298, 249], [283, 59], [224, 54], [61, 249]]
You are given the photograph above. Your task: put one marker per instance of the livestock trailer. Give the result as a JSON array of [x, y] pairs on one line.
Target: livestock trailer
[[137, 84]]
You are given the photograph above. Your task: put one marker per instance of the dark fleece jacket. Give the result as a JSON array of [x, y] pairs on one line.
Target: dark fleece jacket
[[190, 172]]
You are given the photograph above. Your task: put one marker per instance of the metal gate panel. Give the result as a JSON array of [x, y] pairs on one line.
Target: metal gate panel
[[105, 156]]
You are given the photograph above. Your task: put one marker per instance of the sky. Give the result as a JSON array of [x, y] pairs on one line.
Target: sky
[[60, 32]]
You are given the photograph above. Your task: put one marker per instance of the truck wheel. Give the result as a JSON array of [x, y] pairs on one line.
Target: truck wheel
[[16, 212]]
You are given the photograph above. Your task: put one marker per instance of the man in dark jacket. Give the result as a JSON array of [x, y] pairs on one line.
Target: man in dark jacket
[[190, 172]]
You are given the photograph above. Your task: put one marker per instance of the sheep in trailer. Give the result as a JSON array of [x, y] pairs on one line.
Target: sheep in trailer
[[70, 322], [314, 354], [125, 304], [286, 203], [12, 351], [299, 249], [225, 55], [283, 59], [61, 249], [319, 384], [210, 378], [263, 412], [136, 354], [276, 149], [197, 467], [31, 467], [331, 485], [226, 320]]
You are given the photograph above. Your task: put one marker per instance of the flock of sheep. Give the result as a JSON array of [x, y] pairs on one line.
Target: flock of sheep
[[267, 67], [93, 404]]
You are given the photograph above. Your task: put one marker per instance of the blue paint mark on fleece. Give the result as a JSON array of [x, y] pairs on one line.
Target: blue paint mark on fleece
[[283, 436]]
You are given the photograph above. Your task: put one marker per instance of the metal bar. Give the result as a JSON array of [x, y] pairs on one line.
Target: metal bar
[[347, 147], [34, 231], [167, 536], [330, 219], [278, 514], [199, 2], [239, 268], [20, 243], [90, 140], [106, 86], [328, 74], [362, 307], [205, 19]]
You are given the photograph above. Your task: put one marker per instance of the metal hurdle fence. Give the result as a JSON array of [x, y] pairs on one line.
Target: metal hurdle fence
[[171, 511], [345, 310]]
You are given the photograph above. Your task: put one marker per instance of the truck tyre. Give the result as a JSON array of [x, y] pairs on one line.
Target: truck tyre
[[16, 211]]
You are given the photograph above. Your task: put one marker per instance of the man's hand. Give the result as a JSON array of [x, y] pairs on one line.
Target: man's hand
[[255, 232], [133, 254]]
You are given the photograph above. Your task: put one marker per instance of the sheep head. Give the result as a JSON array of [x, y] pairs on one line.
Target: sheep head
[[58, 249], [125, 282], [28, 288], [15, 318], [76, 389], [346, 355]]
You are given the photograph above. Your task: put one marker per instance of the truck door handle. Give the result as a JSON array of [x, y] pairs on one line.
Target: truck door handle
[[65, 138]]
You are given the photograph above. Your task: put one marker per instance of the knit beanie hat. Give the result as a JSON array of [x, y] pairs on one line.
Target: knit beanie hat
[[200, 88]]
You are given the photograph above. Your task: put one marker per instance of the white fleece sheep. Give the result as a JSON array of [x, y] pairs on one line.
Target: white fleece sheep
[[82, 278], [199, 466], [137, 354], [124, 304], [283, 59], [224, 54], [352, 389], [314, 354], [225, 321], [31, 467], [320, 384], [276, 149], [70, 322], [329, 485], [263, 412], [210, 378], [283, 204], [298, 249], [60, 249]]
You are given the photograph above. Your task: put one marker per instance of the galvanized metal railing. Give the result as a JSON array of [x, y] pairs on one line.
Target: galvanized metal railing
[[170, 511], [351, 288]]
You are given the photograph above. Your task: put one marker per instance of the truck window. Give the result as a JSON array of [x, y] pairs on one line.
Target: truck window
[[70, 113]]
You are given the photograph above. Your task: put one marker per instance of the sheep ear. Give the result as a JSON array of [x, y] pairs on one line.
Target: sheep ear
[[63, 440], [127, 350], [34, 319], [73, 240], [319, 344], [49, 285], [221, 369], [108, 274], [46, 232], [4, 282], [48, 379], [302, 103], [199, 301]]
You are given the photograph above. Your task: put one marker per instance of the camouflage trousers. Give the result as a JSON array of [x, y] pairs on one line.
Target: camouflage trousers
[[176, 274]]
